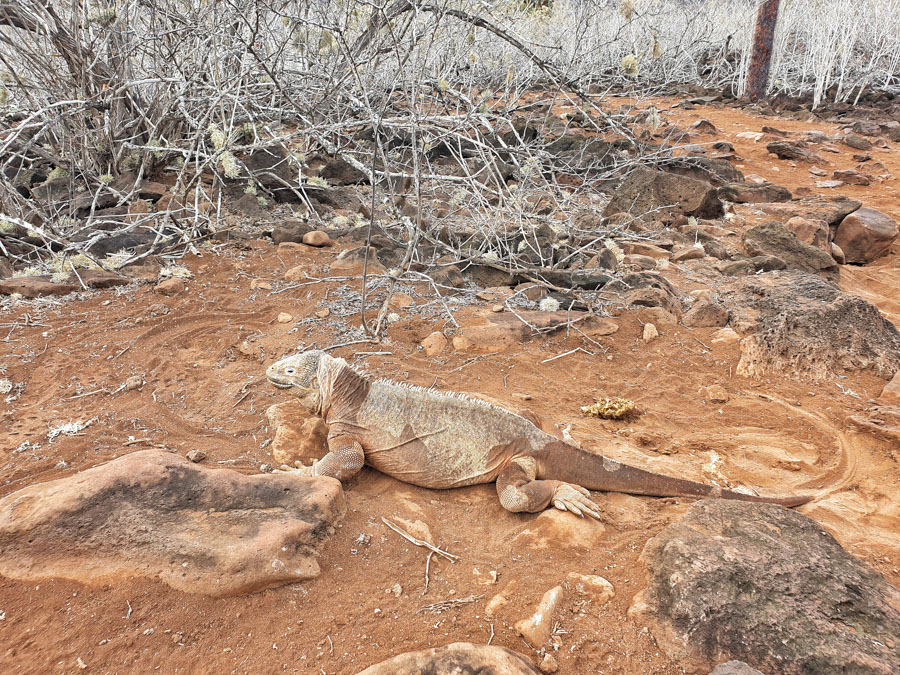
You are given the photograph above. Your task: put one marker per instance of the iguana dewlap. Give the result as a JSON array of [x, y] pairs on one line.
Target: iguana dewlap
[[444, 440]]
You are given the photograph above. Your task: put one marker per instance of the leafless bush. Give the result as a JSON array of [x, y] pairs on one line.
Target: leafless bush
[[432, 101]]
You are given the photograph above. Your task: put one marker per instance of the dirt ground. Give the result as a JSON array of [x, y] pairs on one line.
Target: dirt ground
[[202, 355]]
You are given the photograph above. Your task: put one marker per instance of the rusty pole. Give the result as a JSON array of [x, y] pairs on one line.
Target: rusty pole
[[761, 57]]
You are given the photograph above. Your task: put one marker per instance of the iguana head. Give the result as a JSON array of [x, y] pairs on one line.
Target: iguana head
[[300, 374]]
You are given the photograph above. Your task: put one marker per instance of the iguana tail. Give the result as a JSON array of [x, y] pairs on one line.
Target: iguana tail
[[561, 461]]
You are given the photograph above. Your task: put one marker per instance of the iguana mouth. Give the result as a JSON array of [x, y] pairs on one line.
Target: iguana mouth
[[280, 385]]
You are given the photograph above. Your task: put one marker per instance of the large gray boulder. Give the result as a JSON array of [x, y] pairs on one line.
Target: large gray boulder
[[767, 586], [659, 194], [799, 324], [155, 514], [459, 658]]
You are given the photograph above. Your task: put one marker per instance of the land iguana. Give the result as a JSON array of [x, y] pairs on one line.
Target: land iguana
[[444, 440]]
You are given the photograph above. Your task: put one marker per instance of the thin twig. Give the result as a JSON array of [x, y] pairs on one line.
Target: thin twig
[[418, 542]]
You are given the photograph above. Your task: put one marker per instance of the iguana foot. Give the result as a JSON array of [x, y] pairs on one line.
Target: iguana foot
[[574, 498], [299, 469]]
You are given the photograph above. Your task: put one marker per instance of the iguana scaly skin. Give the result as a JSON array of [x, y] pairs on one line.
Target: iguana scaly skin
[[445, 440]]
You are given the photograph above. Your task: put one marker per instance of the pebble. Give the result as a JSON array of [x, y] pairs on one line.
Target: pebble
[[284, 317], [600, 590], [172, 286], [434, 344], [260, 284], [134, 382], [322, 313], [196, 455], [537, 628], [650, 332], [317, 238], [549, 664]]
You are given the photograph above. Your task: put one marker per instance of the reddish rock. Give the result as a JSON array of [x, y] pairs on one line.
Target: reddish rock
[[866, 235], [38, 286], [706, 314], [812, 232], [851, 177], [172, 286], [35, 287], [155, 514], [434, 344], [796, 150], [688, 253], [317, 238]]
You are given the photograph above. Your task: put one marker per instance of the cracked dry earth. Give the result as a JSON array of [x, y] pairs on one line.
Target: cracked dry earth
[[202, 356]]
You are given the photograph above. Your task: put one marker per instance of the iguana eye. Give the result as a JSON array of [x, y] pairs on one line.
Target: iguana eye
[[289, 371]]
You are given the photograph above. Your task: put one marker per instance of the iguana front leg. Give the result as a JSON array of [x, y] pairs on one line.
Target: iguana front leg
[[519, 491], [344, 459]]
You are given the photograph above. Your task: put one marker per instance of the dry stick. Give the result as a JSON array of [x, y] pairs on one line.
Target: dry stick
[[80, 281], [418, 542], [571, 351], [427, 566], [444, 605]]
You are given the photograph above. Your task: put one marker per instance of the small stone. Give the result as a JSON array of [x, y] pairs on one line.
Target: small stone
[[259, 284], [716, 394], [496, 309], [537, 628], [829, 184], [858, 142], [838, 254], [549, 664], [196, 456], [600, 590], [134, 382], [284, 317], [81, 664], [650, 332], [434, 344], [689, 253], [317, 238], [400, 301], [322, 313], [172, 286], [816, 171]]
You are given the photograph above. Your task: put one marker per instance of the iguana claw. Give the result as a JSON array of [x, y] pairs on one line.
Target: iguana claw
[[574, 498], [300, 469]]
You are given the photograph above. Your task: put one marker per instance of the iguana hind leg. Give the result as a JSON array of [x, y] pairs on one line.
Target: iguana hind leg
[[519, 491], [344, 459]]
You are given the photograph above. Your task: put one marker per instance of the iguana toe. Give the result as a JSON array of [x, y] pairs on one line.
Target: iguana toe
[[574, 498], [298, 470]]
